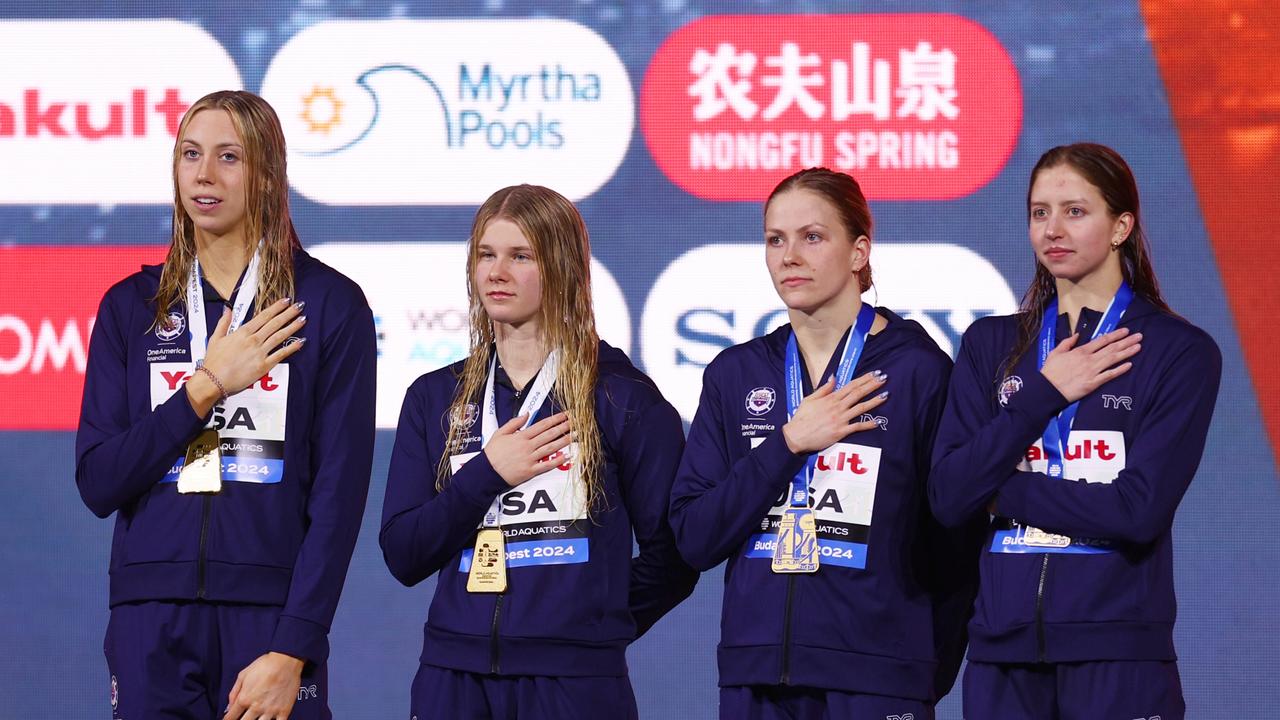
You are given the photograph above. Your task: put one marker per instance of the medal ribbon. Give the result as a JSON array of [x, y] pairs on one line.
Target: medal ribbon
[[241, 303], [795, 389], [532, 402], [1059, 428]]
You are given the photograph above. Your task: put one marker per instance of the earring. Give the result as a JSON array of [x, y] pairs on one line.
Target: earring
[[1115, 245]]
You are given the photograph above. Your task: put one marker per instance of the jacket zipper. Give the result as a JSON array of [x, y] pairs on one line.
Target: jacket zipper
[[1044, 572], [493, 636], [205, 511], [785, 678]]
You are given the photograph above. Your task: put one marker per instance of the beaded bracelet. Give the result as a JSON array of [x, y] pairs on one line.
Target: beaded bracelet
[[221, 390]]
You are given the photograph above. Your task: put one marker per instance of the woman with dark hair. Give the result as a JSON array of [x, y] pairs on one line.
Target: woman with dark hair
[[520, 475], [231, 435], [806, 468], [1078, 423]]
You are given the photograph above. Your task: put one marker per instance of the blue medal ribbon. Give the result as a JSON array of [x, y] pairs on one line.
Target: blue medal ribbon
[[795, 389], [1059, 428]]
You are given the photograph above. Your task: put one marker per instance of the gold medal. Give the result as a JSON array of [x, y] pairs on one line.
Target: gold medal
[[797, 546], [1035, 537], [202, 470], [488, 563]]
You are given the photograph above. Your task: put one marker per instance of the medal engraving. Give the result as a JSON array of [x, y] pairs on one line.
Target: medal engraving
[[488, 563], [1036, 537], [202, 469], [797, 548]]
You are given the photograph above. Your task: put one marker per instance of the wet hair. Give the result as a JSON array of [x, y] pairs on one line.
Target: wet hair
[[266, 202], [562, 249], [1106, 170], [844, 194]]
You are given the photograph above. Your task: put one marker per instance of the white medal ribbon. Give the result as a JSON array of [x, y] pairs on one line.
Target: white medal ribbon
[[241, 303], [532, 402]]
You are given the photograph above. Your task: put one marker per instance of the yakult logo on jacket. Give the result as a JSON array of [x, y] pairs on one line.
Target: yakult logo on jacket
[[683, 330], [420, 113], [1095, 456], [64, 109], [916, 106]]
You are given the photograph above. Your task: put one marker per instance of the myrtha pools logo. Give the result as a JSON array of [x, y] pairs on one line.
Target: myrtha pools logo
[[414, 112]]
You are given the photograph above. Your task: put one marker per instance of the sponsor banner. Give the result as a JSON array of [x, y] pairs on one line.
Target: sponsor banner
[[684, 330], [82, 98], [920, 107], [441, 112], [48, 302], [418, 294]]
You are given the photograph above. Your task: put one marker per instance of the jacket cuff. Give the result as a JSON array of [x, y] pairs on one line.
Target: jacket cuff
[[302, 639], [478, 483], [179, 419]]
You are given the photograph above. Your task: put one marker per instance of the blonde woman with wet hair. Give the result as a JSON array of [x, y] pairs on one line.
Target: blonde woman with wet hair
[[520, 475], [231, 433]]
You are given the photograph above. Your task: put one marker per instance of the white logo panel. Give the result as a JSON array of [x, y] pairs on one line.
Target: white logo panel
[[716, 296], [440, 112], [82, 98], [418, 293], [1095, 456]]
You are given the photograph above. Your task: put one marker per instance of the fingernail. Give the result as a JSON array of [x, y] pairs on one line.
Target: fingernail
[[303, 318], [300, 304], [286, 301], [878, 375], [883, 395]]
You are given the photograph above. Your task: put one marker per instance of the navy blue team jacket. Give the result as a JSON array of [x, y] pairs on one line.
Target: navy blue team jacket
[[285, 543], [559, 615], [893, 627], [1143, 431]]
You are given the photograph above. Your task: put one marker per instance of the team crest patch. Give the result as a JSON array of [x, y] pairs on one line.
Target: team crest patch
[[760, 400], [1011, 385], [466, 415], [175, 325], [115, 694]]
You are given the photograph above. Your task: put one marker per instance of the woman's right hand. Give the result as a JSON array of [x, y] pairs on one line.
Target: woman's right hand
[[827, 415], [521, 454], [240, 358], [1078, 371]]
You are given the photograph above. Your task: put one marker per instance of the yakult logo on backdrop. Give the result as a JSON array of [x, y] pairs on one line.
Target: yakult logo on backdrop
[[735, 302], [418, 294], [48, 302], [915, 106], [446, 111], [80, 97]]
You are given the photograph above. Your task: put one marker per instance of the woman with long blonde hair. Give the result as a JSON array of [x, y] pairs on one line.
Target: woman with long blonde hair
[[231, 435], [520, 475]]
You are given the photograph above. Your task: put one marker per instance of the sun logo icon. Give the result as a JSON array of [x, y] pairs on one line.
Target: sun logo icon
[[322, 110]]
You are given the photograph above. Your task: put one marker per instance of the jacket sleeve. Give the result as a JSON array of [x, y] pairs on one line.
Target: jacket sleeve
[[341, 440], [1138, 506], [952, 553], [422, 529], [978, 447], [650, 450], [118, 460], [716, 504]]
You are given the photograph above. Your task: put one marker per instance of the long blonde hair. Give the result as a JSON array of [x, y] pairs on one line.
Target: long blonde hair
[[266, 203], [560, 243]]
